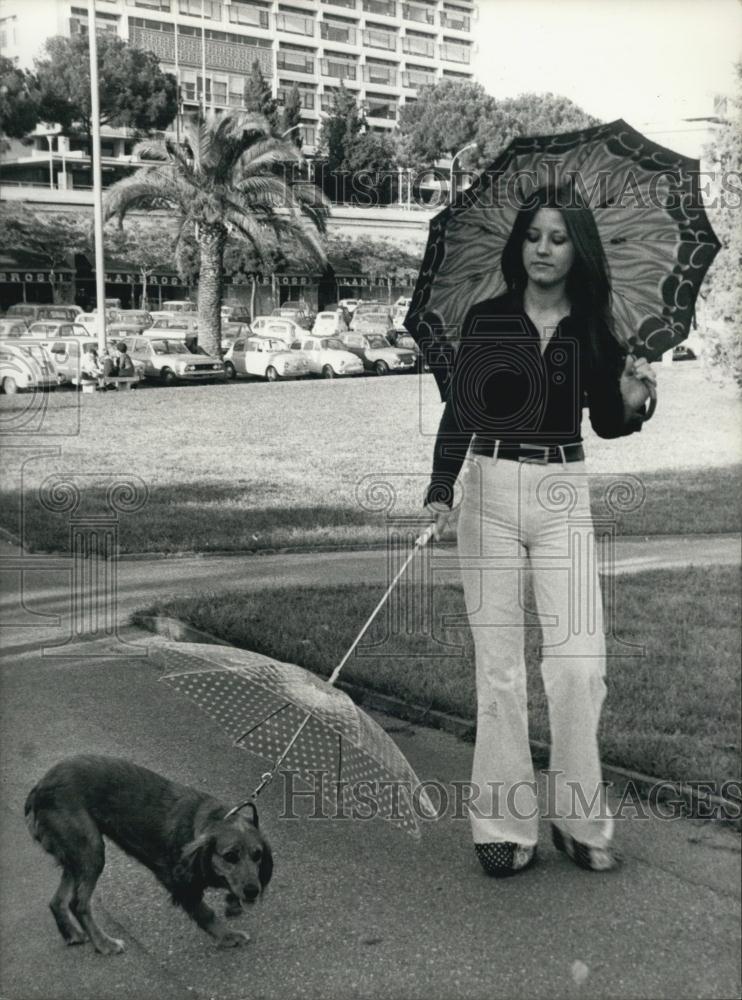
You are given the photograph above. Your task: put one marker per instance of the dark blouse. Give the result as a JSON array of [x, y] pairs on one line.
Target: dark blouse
[[503, 388]]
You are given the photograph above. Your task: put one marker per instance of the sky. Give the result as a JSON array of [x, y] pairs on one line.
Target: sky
[[651, 62]]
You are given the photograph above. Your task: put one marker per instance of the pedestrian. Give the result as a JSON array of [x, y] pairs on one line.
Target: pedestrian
[[90, 369], [529, 360], [124, 364]]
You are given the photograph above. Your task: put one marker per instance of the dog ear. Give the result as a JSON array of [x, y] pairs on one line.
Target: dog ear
[[265, 868], [195, 851]]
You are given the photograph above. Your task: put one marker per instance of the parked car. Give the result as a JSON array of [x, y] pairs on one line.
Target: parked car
[[183, 327], [399, 311], [368, 306], [51, 329], [329, 324], [683, 353], [89, 320], [328, 356], [349, 304], [25, 364], [408, 343], [280, 329], [67, 357], [169, 360], [235, 312], [32, 311], [179, 306], [130, 318], [10, 328], [343, 310], [231, 332], [265, 358], [372, 323], [302, 316], [378, 355]]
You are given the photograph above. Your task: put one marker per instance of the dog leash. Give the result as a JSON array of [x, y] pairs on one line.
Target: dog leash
[[268, 776]]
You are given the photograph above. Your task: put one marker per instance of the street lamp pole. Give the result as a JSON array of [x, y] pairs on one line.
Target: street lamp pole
[[453, 161], [100, 276]]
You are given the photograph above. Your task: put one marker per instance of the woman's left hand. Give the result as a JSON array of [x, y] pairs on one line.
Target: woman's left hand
[[640, 368], [638, 383]]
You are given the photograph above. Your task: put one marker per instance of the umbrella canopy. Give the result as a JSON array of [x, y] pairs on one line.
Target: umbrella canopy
[[262, 704], [647, 205]]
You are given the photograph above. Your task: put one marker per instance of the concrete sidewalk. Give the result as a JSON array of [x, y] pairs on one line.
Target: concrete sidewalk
[[355, 910]]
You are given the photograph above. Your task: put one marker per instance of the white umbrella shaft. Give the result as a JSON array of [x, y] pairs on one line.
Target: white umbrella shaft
[[421, 541]]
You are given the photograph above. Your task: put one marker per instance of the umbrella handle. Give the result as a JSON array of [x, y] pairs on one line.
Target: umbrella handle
[[420, 543]]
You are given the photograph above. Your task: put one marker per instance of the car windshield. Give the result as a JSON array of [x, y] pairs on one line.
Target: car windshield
[[169, 347], [405, 342], [333, 344], [274, 345], [12, 329], [377, 342]]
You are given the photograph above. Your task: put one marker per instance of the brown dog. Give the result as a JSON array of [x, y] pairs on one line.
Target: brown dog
[[180, 834]]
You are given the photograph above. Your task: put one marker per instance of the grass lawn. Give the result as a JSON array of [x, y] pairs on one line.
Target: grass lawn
[[251, 465], [673, 704]]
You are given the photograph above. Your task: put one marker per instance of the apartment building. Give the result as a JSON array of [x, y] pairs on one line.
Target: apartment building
[[382, 50]]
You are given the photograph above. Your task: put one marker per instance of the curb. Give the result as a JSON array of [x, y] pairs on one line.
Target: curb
[[700, 806]]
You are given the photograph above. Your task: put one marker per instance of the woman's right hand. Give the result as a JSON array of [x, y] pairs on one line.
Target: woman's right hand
[[440, 517]]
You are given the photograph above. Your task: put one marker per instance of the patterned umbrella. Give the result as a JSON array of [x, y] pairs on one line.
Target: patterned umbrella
[[649, 212], [301, 723]]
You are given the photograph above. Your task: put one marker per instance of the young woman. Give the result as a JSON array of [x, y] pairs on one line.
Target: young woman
[[528, 362]]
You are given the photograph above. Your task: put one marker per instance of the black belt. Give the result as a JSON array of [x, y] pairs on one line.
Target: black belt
[[538, 453]]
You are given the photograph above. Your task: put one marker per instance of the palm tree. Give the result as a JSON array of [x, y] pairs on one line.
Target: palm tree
[[228, 177]]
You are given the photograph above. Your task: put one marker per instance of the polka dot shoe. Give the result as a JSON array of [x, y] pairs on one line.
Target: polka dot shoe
[[592, 859], [504, 858]]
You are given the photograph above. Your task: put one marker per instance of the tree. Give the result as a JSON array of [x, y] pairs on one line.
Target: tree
[[54, 238], [229, 178], [442, 120], [258, 98], [527, 114], [147, 249], [369, 158], [340, 127], [291, 117], [19, 101], [134, 92], [722, 294]]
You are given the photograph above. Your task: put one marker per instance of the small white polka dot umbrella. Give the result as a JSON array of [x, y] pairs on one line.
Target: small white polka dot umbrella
[[302, 723]]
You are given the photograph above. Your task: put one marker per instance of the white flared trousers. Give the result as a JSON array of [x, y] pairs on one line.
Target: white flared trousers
[[515, 516]]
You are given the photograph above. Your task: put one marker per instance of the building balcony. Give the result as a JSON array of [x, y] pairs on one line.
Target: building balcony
[[295, 24], [414, 78], [211, 9], [385, 110], [339, 69], [160, 5], [295, 62], [386, 8], [384, 75], [346, 4], [452, 52], [375, 39], [418, 46], [308, 97], [455, 21], [344, 34], [416, 12], [248, 15]]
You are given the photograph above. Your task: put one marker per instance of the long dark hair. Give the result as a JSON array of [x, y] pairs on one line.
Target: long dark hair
[[588, 285]]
